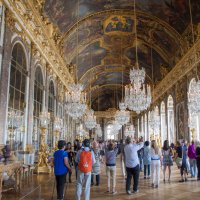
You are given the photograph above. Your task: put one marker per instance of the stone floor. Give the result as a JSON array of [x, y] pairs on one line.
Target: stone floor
[[41, 187]]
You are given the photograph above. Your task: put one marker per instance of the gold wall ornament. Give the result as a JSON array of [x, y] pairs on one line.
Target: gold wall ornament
[[56, 141], [42, 165], [10, 20]]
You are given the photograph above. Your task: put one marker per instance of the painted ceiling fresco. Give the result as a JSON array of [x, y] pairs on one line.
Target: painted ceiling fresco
[[103, 41], [175, 12]]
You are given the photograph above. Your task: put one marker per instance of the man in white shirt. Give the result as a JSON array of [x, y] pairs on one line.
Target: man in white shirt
[[132, 163]]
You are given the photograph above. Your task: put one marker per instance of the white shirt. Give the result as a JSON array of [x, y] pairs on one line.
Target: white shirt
[[131, 155]]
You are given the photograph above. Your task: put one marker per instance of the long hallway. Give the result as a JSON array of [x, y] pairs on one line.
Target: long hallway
[[41, 188]]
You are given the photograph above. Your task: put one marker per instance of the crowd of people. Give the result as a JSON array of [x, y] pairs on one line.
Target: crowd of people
[[135, 156]]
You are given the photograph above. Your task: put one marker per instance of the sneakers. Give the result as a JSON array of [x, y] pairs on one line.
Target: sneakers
[[113, 193], [128, 192], [135, 191]]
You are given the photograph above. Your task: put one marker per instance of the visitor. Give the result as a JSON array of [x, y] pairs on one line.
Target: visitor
[[192, 159], [147, 160], [167, 160], [110, 157], [70, 158], [140, 156], [61, 168], [132, 164], [77, 147], [198, 160], [96, 166], [122, 158], [85, 159], [155, 164], [181, 152]]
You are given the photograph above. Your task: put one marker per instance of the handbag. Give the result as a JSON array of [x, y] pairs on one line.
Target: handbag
[[178, 162]]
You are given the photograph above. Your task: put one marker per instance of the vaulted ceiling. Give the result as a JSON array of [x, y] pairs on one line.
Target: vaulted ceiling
[[99, 37]]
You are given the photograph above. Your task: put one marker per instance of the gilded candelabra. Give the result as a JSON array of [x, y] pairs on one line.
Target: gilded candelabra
[[193, 133], [58, 124], [42, 165]]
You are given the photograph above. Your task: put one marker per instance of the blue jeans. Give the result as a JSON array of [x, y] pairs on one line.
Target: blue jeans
[[193, 166], [145, 171], [97, 179], [80, 179]]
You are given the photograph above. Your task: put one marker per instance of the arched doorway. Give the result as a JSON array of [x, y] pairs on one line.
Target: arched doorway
[[170, 112], [163, 123]]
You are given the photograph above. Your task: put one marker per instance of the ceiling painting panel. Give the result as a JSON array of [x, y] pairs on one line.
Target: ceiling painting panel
[[174, 12]]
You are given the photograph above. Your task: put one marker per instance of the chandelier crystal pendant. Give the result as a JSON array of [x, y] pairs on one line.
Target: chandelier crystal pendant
[[122, 116], [137, 94], [90, 119], [75, 101], [75, 97], [137, 98]]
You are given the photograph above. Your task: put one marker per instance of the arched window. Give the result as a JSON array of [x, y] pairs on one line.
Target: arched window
[[17, 89], [38, 102], [51, 109], [194, 120], [109, 132], [163, 123], [170, 110]]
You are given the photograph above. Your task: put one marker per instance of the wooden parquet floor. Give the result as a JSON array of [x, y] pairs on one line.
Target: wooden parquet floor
[[40, 187]]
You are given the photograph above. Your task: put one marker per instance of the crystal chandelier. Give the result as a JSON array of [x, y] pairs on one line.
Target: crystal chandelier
[[129, 131], [75, 97], [137, 94], [122, 116], [58, 124], [75, 101], [154, 122], [90, 119], [15, 119]]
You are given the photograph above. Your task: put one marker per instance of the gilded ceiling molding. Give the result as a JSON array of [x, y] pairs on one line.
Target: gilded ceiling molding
[[25, 13], [182, 68]]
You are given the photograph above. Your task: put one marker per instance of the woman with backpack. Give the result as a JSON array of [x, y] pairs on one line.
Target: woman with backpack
[[167, 160]]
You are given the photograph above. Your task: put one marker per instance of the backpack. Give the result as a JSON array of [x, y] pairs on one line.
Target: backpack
[[85, 164]]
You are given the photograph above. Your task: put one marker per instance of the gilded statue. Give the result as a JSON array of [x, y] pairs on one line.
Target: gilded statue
[[163, 71], [42, 156]]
